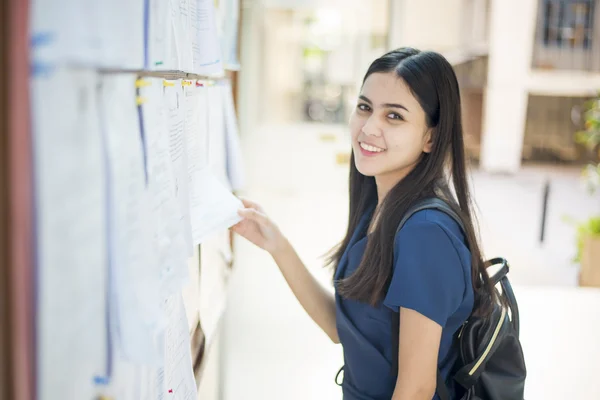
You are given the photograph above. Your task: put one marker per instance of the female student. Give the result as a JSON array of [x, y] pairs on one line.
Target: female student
[[407, 145]]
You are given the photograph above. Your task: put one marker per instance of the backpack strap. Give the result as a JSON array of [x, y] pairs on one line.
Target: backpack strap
[[425, 204], [431, 203]]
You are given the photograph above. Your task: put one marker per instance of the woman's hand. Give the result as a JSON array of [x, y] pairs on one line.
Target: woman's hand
[[258, 228]]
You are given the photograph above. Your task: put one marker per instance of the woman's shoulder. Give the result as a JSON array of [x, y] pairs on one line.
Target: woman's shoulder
[[432, 219], [431, 266], [434, 222]]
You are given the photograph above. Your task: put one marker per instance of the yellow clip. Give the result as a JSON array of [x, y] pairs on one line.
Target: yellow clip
[[167, 83], [139, 83], [140, 100], [186, 83]]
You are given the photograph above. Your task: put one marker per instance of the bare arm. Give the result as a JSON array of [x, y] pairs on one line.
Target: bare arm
[[418, 348], [314, 298]]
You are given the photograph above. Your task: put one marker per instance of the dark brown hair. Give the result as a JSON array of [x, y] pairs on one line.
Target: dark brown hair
[[433, 83]]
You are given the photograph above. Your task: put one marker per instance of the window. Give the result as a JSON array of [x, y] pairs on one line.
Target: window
[[568, 23]]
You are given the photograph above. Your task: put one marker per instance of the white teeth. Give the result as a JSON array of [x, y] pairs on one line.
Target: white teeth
[[371, 148]]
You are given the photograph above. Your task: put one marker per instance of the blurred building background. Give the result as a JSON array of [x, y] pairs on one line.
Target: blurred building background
[[525, 67], [526, 70]]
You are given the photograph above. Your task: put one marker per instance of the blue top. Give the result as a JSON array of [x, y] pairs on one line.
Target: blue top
[[432, 275]]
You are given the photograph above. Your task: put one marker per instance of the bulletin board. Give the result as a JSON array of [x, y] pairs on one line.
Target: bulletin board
[[120, 162]]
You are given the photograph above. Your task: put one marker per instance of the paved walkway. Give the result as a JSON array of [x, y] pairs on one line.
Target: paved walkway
[[510, 213], [272, 350]]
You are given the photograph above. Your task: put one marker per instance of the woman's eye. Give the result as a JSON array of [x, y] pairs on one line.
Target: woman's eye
[[363, 107], [395, 116]]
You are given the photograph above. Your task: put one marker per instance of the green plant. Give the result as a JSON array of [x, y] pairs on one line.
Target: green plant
[[590, 137], [591, 177], [590, 227]]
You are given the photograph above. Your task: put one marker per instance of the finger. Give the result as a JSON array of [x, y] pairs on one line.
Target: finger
[[254, 215], [237, 227], [240, 226], [251, 204], [243, 229]]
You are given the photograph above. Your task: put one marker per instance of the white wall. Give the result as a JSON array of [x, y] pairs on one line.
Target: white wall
[[426, 24], [475, 24], [249, 92], [281, 80], [563, 83], [510, 50]]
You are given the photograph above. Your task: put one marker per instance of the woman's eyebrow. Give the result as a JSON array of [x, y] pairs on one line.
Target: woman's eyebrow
[[390, 105], [394, 105], [365, 99]]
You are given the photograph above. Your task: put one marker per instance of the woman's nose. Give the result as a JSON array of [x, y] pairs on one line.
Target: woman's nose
[[371, 127]]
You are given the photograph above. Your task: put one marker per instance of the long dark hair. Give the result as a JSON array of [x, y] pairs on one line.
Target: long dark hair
[[433, 83]]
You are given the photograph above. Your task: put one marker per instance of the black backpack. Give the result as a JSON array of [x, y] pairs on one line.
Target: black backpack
[[490, 365]]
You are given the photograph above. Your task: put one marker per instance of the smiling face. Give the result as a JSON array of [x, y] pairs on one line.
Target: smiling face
[[389, 129]]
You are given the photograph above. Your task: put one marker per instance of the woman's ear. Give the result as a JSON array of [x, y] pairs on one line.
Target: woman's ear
[[428, 141]]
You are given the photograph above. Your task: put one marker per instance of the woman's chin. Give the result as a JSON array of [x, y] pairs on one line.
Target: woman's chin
[[366, 170]]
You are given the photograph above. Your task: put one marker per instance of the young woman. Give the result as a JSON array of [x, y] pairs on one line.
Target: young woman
[[407, 144]]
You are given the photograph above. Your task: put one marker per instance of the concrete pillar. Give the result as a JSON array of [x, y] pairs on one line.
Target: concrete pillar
[[512, 29], [504, 127]]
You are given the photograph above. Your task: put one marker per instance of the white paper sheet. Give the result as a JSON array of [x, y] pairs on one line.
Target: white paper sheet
[[63, 30], [196, 127], [108, 33], [235, 167], [228, 31], [71, 235], [213, 279], [135, 274], [122, 24], [124, 384], [212, 299], [178, 379], [168, 240], [216, 131], [191, 292], [175, 103], [201, 180], [214, 208], [143, 382], [181, 49], [160, 33], [132, 382], [206, 48]]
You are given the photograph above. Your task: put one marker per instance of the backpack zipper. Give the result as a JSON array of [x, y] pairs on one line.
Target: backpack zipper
[[491, 343]]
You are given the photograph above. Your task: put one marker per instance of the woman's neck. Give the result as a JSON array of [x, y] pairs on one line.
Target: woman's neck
[[385, 182]]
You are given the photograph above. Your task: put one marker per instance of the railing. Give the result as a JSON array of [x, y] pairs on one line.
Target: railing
[[568, 35]]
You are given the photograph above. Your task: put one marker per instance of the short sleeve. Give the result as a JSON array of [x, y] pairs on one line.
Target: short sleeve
[[428, 273]]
